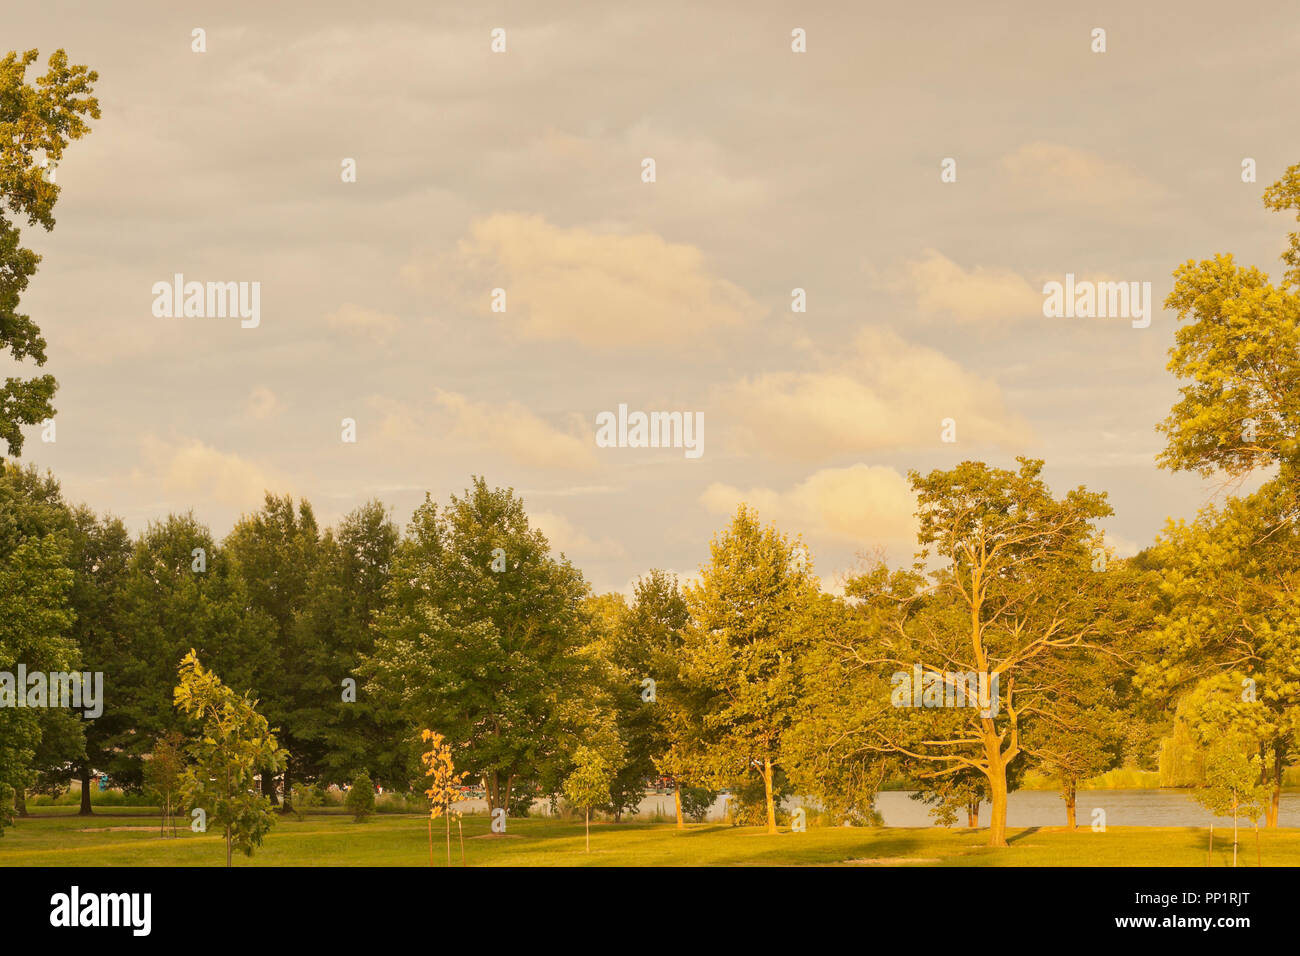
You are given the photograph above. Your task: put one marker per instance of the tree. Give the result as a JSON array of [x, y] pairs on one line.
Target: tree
[[739, 683], [275, 553], [1285, 194], [344, 728], [1232, 783], [35, 618], [1240, 358], [233, 744], [988, 633], [1230, 593], [100, 556], [480, 637], [179, 594], [1081, 734], [635, 652], [34, 583], [444, 784], [37, 122], [361, 797], [821, 759], [588, 785], [163, 775]]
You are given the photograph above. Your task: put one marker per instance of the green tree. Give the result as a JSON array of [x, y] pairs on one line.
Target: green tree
[[1081, 732], [588, 784], [34, 584], [334, 632], [100, 556], [1230, 607], [480, 637], [37, 121], [1232, 785], [36, 615], [179, 593], [234, 742], [361, 797], [739, 684], [275, 553]]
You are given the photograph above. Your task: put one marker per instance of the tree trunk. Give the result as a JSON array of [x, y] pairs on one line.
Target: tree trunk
[[973, 814], [287, 806], [588, 829], [268, 787], [1270, 820], [767, 787], [85, 810], [227, 845], [1070, 793], [447, 814], [998, 803], [1234, 830], [677, 799]]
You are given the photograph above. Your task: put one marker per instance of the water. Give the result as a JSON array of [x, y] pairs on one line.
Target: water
[[1124, 808]]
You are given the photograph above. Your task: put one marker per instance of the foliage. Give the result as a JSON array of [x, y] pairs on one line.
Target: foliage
[[233, 744], [361, 797]]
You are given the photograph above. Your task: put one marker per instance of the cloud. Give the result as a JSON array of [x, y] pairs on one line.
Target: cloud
[[507, 427], [865, 504], [192, 470], [358, 320], [566, 538], [883, 394], [1063, 175], [940, 286], [602, 290]]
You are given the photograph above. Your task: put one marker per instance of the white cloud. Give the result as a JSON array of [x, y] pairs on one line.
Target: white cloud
[[194, 470], [865, 504], [506, 427], [884, 393], [601, 289], [565, 537], [941, 286], [1063, 175]]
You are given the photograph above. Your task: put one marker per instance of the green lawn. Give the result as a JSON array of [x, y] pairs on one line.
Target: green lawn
[[54, 838]]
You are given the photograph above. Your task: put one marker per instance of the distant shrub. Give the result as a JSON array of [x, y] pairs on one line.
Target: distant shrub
[[361, 798]]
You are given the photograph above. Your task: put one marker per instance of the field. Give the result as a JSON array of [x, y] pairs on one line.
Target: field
[[57, 837]]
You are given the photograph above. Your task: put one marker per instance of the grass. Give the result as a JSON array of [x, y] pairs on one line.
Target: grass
[[54, 838]]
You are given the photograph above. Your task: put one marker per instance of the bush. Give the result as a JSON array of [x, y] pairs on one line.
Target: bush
[[361, 798], [696, 802]]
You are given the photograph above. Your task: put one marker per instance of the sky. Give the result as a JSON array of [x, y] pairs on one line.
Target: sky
[[523, 170]]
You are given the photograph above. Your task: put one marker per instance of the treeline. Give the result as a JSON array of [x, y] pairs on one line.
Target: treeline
[[354, 639]]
